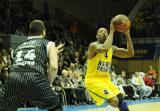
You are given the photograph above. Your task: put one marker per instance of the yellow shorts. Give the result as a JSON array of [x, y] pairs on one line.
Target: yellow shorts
[[101, 89]]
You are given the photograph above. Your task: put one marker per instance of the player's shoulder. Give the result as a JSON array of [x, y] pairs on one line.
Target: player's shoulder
[[93, 44], [43, 40], [114, 48]]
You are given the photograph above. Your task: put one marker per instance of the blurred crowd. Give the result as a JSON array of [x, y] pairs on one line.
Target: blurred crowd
[[17, 14], [147, 20], [5, 63]]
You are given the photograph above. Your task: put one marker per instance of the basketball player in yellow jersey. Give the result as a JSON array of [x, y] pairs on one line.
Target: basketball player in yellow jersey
[[97, 79]]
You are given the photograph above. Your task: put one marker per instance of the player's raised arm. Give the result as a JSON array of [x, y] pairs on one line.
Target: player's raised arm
[[103, 43], [122, 52], [104, 47]]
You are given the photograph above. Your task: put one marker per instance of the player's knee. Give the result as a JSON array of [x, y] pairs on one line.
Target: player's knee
[[113, 102]]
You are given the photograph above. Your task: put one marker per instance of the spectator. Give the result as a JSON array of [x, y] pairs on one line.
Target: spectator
[[138, 81], [152, 71], [148, 80], [129, 89], [67, 85]]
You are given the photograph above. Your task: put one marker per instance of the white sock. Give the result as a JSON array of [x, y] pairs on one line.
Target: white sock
[[111, 108]]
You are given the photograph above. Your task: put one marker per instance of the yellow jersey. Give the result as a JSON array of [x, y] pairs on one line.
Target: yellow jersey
[[100, 65]]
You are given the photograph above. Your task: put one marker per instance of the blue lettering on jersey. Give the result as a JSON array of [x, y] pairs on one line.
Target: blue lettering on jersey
[[104, 66]]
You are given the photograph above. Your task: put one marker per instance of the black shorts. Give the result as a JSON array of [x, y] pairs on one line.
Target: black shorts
[[31, 87]]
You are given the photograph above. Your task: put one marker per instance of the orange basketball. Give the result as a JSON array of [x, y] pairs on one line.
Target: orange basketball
[[121, 23]]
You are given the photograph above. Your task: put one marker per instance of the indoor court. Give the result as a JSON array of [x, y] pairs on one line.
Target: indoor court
[[137, 105], [145, 107]]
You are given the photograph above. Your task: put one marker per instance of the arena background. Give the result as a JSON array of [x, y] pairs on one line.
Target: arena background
[[80, 19]]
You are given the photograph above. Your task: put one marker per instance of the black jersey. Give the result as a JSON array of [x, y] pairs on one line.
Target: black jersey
[[31, 56]]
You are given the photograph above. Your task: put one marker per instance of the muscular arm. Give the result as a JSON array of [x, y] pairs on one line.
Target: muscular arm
[[95, 48], [100, 48], [122, 52], [107, 44], [53, 63]]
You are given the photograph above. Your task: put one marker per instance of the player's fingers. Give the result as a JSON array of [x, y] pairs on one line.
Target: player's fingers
[[60, 50], [60, 46]]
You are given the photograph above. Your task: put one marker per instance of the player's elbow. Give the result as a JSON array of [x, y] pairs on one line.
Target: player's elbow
[[131, 54]]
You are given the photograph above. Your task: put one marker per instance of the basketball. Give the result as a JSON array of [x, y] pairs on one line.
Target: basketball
[[121, 23]]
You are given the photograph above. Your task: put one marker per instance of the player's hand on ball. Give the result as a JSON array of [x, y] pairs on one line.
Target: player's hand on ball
[[122, 23], [127, 32]]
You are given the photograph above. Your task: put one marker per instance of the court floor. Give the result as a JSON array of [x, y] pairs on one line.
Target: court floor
[[145, 107], [138, 105]]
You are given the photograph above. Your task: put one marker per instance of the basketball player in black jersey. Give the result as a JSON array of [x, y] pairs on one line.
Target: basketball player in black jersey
[[28, 79]]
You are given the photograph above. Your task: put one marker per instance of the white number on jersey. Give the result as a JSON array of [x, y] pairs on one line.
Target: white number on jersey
[[28, 58], [30, 55]]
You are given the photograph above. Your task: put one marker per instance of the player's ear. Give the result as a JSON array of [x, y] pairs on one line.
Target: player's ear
[[96, 36], [44, 33]]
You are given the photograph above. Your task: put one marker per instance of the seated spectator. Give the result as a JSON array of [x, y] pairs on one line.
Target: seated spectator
[[129, 89], [75, 79], [138, 81], [148, 80], [80, 89], [152, 71], [5, 63], [68, 86], [65, 81], [114, 77]]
